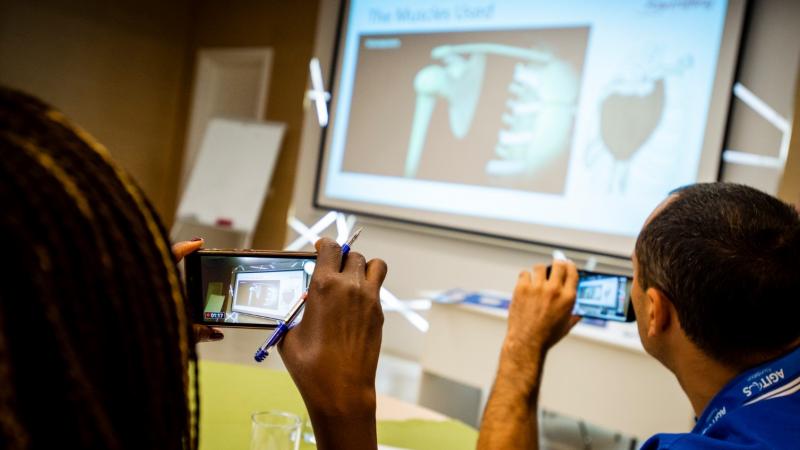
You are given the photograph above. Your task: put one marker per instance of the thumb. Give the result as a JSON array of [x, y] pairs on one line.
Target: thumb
[[205, 333], [290, 339]]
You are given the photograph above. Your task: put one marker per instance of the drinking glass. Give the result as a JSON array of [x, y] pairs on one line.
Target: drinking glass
[[275, 430]]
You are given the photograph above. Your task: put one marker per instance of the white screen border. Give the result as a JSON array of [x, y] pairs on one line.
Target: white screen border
[[526, 233]]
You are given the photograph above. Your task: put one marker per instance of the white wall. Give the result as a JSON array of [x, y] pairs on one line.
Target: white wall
[[420, 260], [769, 64]]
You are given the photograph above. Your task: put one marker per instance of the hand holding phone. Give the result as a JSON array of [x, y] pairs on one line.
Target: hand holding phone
[[202, 333], [332, 354], [540, 313]]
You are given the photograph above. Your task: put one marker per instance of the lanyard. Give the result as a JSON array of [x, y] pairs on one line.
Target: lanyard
[[776, 378]]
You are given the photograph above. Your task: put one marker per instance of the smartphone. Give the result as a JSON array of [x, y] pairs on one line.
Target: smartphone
[[603, 296], [246, 288]]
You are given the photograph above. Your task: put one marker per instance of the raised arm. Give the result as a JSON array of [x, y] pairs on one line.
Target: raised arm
[[539, 316], [332, 354]]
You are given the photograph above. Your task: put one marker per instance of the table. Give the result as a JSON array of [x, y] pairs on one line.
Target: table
[[601, 377], [229, 393]]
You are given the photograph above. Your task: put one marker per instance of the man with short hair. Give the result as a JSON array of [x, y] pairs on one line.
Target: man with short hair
[[716, 292]]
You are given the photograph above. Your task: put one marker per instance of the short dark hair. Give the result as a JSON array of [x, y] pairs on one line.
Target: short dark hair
[[728, 257]]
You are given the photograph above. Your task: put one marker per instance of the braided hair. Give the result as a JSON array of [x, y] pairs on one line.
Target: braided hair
[[96, 347]]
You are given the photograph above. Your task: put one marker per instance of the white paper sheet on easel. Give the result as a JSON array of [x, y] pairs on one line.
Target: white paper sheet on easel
[[232, 173]]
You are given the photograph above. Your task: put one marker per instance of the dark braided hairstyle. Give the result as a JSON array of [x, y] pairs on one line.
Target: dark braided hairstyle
[[96, 347]]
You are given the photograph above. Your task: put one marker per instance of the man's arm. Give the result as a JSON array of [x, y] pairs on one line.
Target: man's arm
[[539, 316], [510, 415]]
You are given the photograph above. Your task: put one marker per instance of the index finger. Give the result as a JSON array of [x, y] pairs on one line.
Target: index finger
[[572, 275], [558, 273], [539, 274], [329, 256]]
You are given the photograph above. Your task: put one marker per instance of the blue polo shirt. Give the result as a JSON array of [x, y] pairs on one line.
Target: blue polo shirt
[[759, 409]]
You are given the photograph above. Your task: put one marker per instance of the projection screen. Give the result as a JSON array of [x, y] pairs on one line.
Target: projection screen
[[563, 123]]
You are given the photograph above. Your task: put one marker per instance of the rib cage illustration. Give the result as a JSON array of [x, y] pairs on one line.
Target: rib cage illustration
[[540, 110]]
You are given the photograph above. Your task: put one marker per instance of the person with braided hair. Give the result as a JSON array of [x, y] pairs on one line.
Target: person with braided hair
[[97, 349]]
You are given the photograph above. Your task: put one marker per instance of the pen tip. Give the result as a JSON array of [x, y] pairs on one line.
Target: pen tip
[[355, 236]]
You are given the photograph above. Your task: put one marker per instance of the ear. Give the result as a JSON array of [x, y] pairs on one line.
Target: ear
[[660, 312]]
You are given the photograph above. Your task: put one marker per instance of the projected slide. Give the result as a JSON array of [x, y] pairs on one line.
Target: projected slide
[[432, 85], [267, 293], [559, 122]]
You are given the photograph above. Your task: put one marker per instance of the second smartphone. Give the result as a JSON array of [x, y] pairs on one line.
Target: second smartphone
[[603, 296]]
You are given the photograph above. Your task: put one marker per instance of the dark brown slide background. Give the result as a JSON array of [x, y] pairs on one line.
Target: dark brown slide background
[[383, 104]]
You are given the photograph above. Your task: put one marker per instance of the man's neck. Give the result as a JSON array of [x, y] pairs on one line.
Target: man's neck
[[701, 378]]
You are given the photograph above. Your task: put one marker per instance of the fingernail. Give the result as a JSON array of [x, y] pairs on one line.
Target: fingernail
[[195, 239]]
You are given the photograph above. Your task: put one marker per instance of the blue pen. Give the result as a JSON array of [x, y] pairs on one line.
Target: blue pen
[[348, 244], [286, 325]]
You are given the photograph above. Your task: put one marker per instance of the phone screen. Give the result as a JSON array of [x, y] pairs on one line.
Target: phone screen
[[604, 296], [246, 289]]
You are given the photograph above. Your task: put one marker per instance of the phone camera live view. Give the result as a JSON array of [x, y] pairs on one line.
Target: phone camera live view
[[604, 296], [236, 290]]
